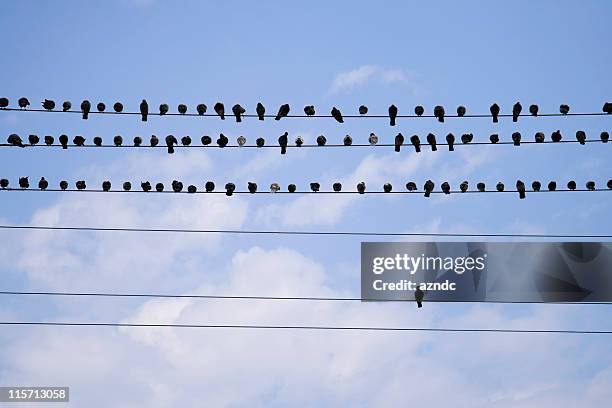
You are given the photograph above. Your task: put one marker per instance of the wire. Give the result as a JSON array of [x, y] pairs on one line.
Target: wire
[[304, 298], [343, 328], [264, 232]]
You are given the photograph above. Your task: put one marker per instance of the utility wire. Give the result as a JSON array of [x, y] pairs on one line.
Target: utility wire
[[337, 328], [270, 232]]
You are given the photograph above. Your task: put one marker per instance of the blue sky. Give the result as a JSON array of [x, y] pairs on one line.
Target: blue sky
[[343, 54]]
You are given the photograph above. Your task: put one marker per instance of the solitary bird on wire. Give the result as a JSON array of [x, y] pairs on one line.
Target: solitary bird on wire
[[533, 109], [63, 139], [363, 110], [336, 114], [159, 187], [516, 138], [222, 141], [428, 187], [4, 103], [439, 113], [399, 140], [118, 107], [461, 111], [66, 105], [182, 109], [494, 109], [15, 140], [209, 186], [564, 109], [260, 110], [43, 184], [581, 137], [154, 141], [33, 139], [445, 187], [206, 140], [387, 187], [361, 187], [23, 182], [201, 109], [63, 185], [419, 110], [494, 138], [79, 140], [539, 137], [238, 112], [348, 140], [520, 187], [170, 143], [283, 111], [431, 139], [85, 108], [146, 186], [450, 139], [241, 140], [418, 296], [163, 109], [309, 110], [315, 187], [516, 111], [536, 186], [220, 110], [260, 142], [321, 140], [80, 185], [252, 187], [101, 107], [337, 187], [607, 108], [106, 185], [392, 114], [23, 103], [177, 186], [416, 142], [282, 142], [144, 110], [4, 183]]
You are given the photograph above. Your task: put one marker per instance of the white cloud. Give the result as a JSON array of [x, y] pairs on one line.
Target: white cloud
[[347, 81]]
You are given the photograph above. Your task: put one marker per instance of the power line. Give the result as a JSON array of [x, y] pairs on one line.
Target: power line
[[271, 232], [337, 328], [274, 298]]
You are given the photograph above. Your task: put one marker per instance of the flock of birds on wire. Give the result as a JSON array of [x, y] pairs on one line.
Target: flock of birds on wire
[[239, 111]]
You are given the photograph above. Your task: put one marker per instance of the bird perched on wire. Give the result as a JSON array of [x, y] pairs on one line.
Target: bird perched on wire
[[418, 297], [260, 110], [186, 141], [137, 141], [539, 137], [494, 138], [571, 185], [348, 140], [100, 107], [23, 182], [337, 187], [604, 136], [144, 110], [299, 141], [118, 107], [145, 185], [361, 187], [516, 138], [321, 140], [564, 109], [291, 188], [283, 111], [49, 140], [201, 109], [63, 139], [500, 186], [252, 187], [177, 186], [170, 143], [581, 137], [536, 186], [43, 184], [154, 141], [85, 108], [79, 140], [461, 111], [117, 140], [241, 140], [464, 186], [419, 110], [23, 103], [450, 139], [80, 185], [182, 109], [4, 103], [209, 186], [467, 138], [392, 114], [516, 111], [222, 141], [282, 142], [4, 183], [260, 142], [191, 189], [552, 186], [607, 107], [33, 139], [66, 105], [428, 187], [590, 185], [159, 187], [445, 187], [533, 109], [387, 187], [373, 139], [220, 110], [238, 112], [336, 114], [494, 109], [363, 110], [556, 136], [15, 140], [411, 186], [274, 188], [416, 142], [439, 113], [63, 185], [106, 185], [127, 186], [206, 140], [520, 187], [399, 140], [309, 110], [315, 187], [431, 139]]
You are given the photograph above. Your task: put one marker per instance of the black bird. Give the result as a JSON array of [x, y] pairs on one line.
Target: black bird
[[299, 141], [321, 140], [315, 187], [516, 111], [260, 110], [79, 140], [118, 107], [590, 185], [33, 139], [4, 183], [571, 185], [607, 107], [533, 109], [564, 109], [439, 113], [450, 139], [539, 137], [229, 189], [85, 108], [209, 186], [520, 187], [170, 143], [536, 186], [23, 182], [481, 187], [43, 184], [182, 109], [556, 136], [144, 110], [4, 103], [428, 187], [419, 110], [206, 140], [337, 187], [494, 109], [177, 186], [154, 141], [516, 138], [238, 112], [494, 138], [348, 140], [461, 111], [220, 110], [309, 110], [610, 184], [137, 141], [191, 189], [361, 187], [23, 103], [336, 114], [222, 141], [363, 110], [260, 142], [467, 138], [552, 186], [127, 186], [411, 186], [63, 139], [500, 187], [392, 114], [581, 137], [282, 111], [186, 140], [100, 107], [414, 139], [146, 186], [291, 188], [387, 187], [63, 185], [163, 109], [117, 140], [445, 188], [418, 296], [604, 136], [159, 187], [66, 105], [282, 141], [49, 140], [15, 140], [106, 185], [80, 185], [464, 186], [252, 187], [398, 142], [201, 109]]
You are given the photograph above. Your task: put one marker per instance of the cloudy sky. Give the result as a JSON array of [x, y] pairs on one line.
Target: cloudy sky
[[344, 54]]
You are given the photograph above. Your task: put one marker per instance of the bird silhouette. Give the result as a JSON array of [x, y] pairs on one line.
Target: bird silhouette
[[481, 187], [206, 140], [564, 109], [445, 187], [159, 187], [571, 185], [494, 109], [494, 138], [23, 182], [604, 136], [520, 187], [97, 141], [299, 141], [177, 186], [66, 105], [238, 112], [539, 137], [85, 108], [291, 188], [450, 139], [274, 188], [363, 110], [392, 114], [63, 139], [15, 140], [411, 186], [4, 183], [373, 139], [182, 109], [282, 142], [309, 110], [431, 139], [186, 140], [399, 141], [418, 297], [170, 143], [533, 109], [361, 187], [222, 141], [556, 136], [336, 114], [260, 142], [416, 142], [220, 110], [43, 184], [145, 185], [607, 107], [439, 113], [315, 187], [252, 187], [536, 186], [581, 137], [419, 110], [387, 187], [241, 140], [321, 140], [260, 110], [49, 140], [201, 109], [337, 187], [191, 189], [283, 111], [154, 141], [117, 140], [100, 107], [137, 141], [428, 187], [127, 186], [33, 139], [500, 187], [516, 111], [590, 185], [79, 140], [118, 107], [23, 103], [464, 186], [4, 103], [467, 138], [106, 185], [63, 185], [163, 109], [552, 186], [461, 111], [209, 186], [516, 138], [610, 184], [144, 110], [348, 140], [80, 185]]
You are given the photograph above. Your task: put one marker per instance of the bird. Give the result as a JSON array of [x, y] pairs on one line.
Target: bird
[[418, 297], [321, 140], [520, 187], [556, 136], [309, 110], [439, 113], [516, 138], [177, 186], [392, 114], [315, 187], [191, 189], [80, 185], [299, 141], [533, 109], [66, 105], [399, 140], [137, 141], [494, 109], [79, 140], [467, 138], [536, 186], [428, 187], [282, 142], [23, 182], [43, 184], [15, 140], [85, 108], [146, 186], [252, 187], [539, 137], [63, 139], [260, 142], [348, 140], [106, 185], [222, 141], [373, 139], [411, 186], [387, 187], [144, 110], [445, 187], [260, 110], [363, 110], [604, 136], [127, 186], [516, 111], [431, 139], [238, 112], [571, 185], [464, 186], [610, 184], [209, 186], [154, 141], [23, 103], [220, 110], [461, 111], [416, 142], [274, 188], [100, 107], [291, 188], [182, 109], [159, 187], [450, 139], [4, 183], [186, 140], [419, 110], [170, 143], [206, 140], [63, 185], [564, 109], [336, 114], [590, 185], [494, 138], [361, 187], [201, 109], [481, 187], [118, 107], [607, 107], [163, 109], [552, 186], [241, 140], [500, 187], [337, 187], [33, 139], [283, 111], [4, 103], [117, 140], [49, 140], [581, 137]]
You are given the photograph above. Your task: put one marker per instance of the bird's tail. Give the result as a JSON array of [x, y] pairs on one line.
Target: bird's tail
[[283, 149], [85, 115], [392, 121], [495, 119], [144, 118], [419, 303], [170, 149]]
